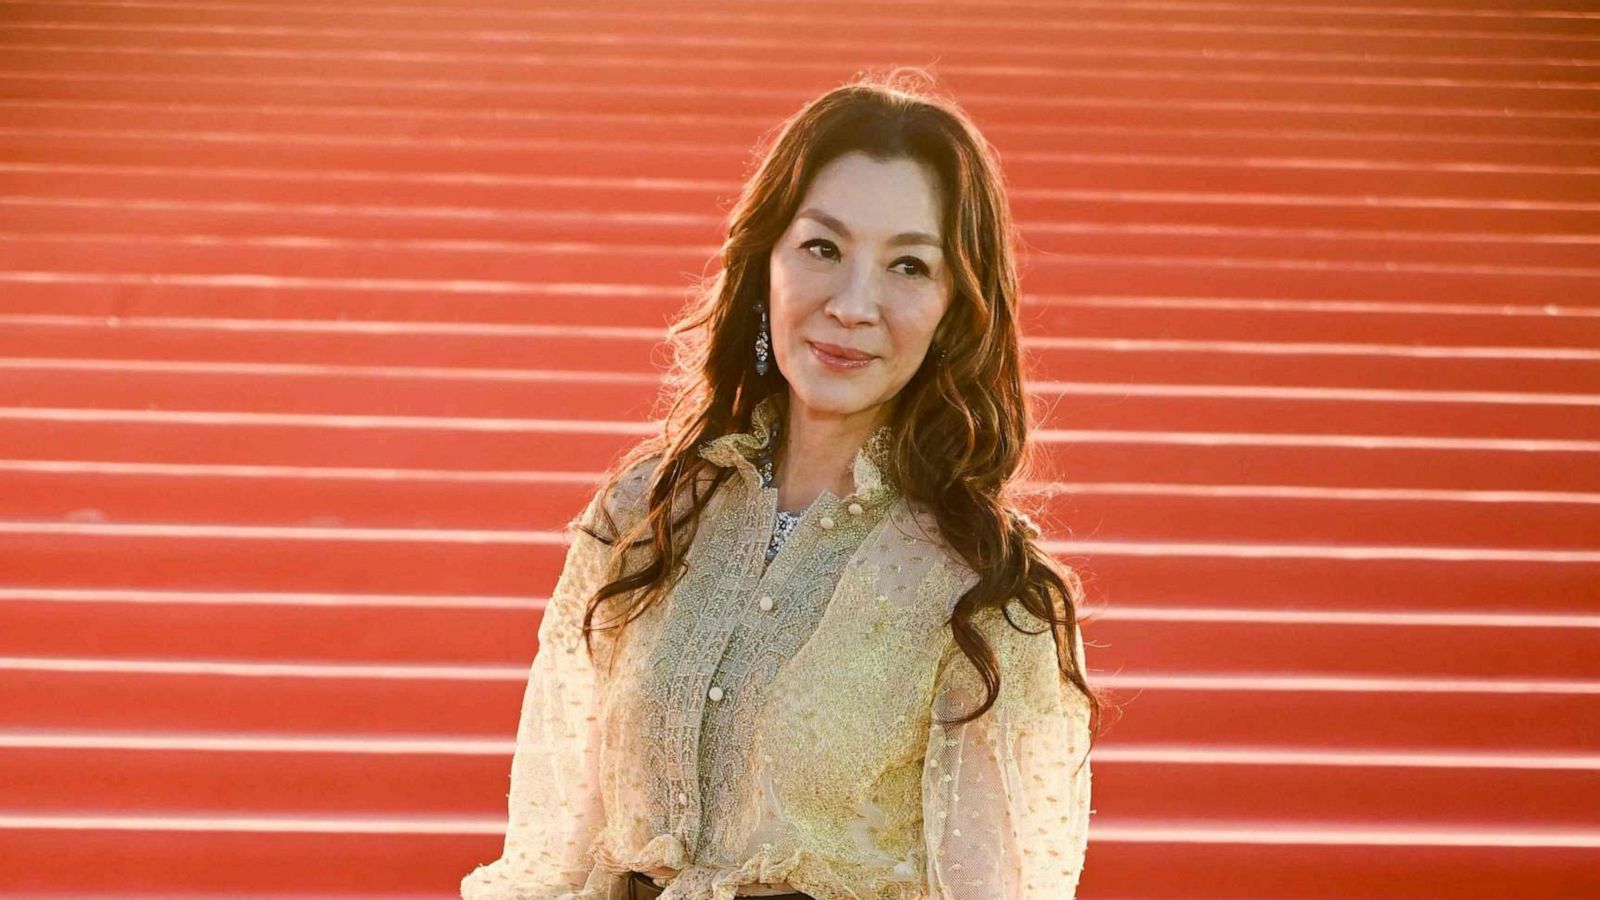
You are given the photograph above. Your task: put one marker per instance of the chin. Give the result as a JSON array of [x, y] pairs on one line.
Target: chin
[[831, 398]]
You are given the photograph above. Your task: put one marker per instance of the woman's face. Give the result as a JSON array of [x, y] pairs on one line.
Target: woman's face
[[861, 267]]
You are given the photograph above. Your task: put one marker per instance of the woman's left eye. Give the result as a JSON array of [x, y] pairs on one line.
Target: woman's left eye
[[918, 266]]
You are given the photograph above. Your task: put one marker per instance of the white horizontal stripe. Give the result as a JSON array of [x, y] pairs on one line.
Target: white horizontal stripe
[[644, 147], [1350, 307], [345, 421], [482, 423], [492, 673], [1346, 836], [1214, 551], [585, 289], [254, 669], [699, 119], [924, 6], [1191, 614], [344, 210], [338, 212], [1136, 754], [267, 598], [519, 537], [306, 242], [1118, 69], [215, 531], [1307, 348], [591, 248], [302, 473], [608, 39], [1172, 832], [442, 373], [1346, 684], [574, 426], [710, 94], [1313, 393], [1375, 618], [286, 824], [724, 18], [1070, 226], [258, 138], [591, 217], [1300, 492], [592, 479], [339, 326], [604, 291], [1367, 201], [253, 743], [1257, 756], [1343, 441], [570, 376], [631, 182], [458, 114], [636, 333]]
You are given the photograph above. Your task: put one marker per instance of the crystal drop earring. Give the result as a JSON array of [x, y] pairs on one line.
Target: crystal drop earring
[[763, 343]]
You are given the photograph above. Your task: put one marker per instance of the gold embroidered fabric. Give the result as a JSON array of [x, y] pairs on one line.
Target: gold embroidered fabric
[[772, 724]]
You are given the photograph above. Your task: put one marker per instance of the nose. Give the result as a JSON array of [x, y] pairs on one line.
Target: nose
[[856, 301]]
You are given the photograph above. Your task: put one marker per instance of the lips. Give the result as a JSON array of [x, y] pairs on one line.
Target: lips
[[841, 352]]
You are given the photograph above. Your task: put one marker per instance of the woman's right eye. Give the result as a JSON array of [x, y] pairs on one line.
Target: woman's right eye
[[821, 242]]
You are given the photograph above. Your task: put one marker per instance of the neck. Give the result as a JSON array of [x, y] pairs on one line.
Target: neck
[[817, 452]]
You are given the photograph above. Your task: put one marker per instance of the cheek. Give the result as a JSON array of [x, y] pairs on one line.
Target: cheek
[[913, 327], [793, 294], [782, 276]]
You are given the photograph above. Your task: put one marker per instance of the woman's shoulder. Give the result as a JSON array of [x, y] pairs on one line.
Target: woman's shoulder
[[623, 495], [924, 530], [920, 531]]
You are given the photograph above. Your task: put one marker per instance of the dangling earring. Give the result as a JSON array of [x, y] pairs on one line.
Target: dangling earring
[[763, 343]]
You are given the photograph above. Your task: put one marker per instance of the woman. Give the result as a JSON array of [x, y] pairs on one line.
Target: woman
[[807, 682]]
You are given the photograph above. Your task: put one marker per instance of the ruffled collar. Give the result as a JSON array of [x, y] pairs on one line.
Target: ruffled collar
[[740, 448]]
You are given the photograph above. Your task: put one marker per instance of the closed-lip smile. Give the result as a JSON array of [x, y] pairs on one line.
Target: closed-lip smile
[[841, 352]]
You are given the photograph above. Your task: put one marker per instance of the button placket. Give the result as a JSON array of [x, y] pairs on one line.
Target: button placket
[[728, 587]]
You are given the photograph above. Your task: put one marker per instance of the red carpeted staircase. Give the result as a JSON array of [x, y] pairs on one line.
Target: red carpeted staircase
[[317, 322]]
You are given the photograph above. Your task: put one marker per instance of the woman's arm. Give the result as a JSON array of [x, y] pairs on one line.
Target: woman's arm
[[1006, 797], [555, 808]]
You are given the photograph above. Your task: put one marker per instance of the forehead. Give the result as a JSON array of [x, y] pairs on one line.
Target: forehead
[[876, 199]]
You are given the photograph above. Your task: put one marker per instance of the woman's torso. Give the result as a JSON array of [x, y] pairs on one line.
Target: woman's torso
[[773, 707]]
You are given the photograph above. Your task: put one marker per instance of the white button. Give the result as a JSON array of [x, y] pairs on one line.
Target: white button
[[766, 604], [683, 797], [855, 509], [825, 522], [715, 693]]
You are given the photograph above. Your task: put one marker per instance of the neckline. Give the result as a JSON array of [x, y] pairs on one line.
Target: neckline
[[746, 449]]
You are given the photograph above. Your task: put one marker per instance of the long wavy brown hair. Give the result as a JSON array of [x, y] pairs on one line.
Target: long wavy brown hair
[[960, 424]]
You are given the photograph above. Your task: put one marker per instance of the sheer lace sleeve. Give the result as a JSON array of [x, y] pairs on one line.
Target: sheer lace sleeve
[[1005, 800], [555, 809]]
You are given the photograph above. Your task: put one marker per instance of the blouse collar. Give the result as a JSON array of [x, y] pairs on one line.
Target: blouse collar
[[740, 448]]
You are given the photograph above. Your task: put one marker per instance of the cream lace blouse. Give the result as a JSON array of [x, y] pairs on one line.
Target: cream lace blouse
[[771, 723]]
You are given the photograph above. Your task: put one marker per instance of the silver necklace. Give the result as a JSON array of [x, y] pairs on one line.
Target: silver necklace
[[785, 522]]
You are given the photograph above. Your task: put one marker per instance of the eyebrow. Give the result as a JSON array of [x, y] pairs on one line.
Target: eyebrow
[[907, 237]]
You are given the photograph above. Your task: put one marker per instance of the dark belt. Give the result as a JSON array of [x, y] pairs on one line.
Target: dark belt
[[640, 887]]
